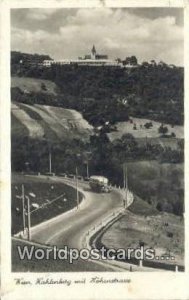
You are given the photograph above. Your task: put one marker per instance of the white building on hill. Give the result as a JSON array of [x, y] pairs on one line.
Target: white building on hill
[[92, 59]]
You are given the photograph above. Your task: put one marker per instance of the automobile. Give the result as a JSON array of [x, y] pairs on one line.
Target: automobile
[[99, 184], [63, 174], [86, 178], [49, 174], [106, 189], [71, 176]]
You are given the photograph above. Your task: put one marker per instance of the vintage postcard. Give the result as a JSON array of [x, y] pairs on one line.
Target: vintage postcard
[[94, 149]]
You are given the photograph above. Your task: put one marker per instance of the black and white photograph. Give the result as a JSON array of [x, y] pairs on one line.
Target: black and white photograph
[[97, 139], [94, 133]]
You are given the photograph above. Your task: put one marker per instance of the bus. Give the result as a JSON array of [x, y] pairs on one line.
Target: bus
[[99, 184]]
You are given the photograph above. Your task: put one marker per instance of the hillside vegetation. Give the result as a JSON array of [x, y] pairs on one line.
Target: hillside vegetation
[[140, 131], [161, 185], [32, 85], [105, 94], [106, 117], [162, 232]]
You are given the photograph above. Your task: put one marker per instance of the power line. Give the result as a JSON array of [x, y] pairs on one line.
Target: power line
[[50, 202]]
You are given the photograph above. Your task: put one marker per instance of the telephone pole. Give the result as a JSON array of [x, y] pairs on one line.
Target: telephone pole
[[125, 185], [87, 169], [77, 192], [29, 220], [23, 209], [50, 161]]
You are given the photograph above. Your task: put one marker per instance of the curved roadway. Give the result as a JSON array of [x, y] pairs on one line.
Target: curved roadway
[[70, 227]]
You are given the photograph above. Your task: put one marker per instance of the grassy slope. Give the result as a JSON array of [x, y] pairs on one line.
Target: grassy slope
[[55, 123], [143, 222], [142, 134], [40, 121], [158, 184], [17, 128], [133, 229], [50, 265], [44, 191], [148, 135], [35, 265], [34, 85], [22, 123], [141, 207]]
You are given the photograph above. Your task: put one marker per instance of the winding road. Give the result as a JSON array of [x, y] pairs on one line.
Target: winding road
[[75, 227], [69, 229]]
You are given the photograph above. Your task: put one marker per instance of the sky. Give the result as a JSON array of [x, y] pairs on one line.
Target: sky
[[148, 33]]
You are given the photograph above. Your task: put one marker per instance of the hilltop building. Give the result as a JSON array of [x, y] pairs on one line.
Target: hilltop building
[[95, 56], [92, 59]]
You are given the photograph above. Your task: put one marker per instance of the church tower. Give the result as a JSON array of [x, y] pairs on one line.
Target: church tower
[[93, 53]]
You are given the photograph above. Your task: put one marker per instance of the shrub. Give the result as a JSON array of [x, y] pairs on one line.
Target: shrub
[[169, 234], [163, 129], [148, 125], [43, 86]]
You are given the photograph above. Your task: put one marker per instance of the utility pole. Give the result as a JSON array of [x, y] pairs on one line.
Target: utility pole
[[87, 169], [125, 184], [29, 220], [23, 210], [87, 157], [50, 161], [77, 192]]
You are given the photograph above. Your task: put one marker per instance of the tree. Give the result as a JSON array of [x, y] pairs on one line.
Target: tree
[[131, 60], [118, 60], [159, 206], [173, 134], [43, 86], [153, 62], [163, 129], [145, 64], [148, 125]]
